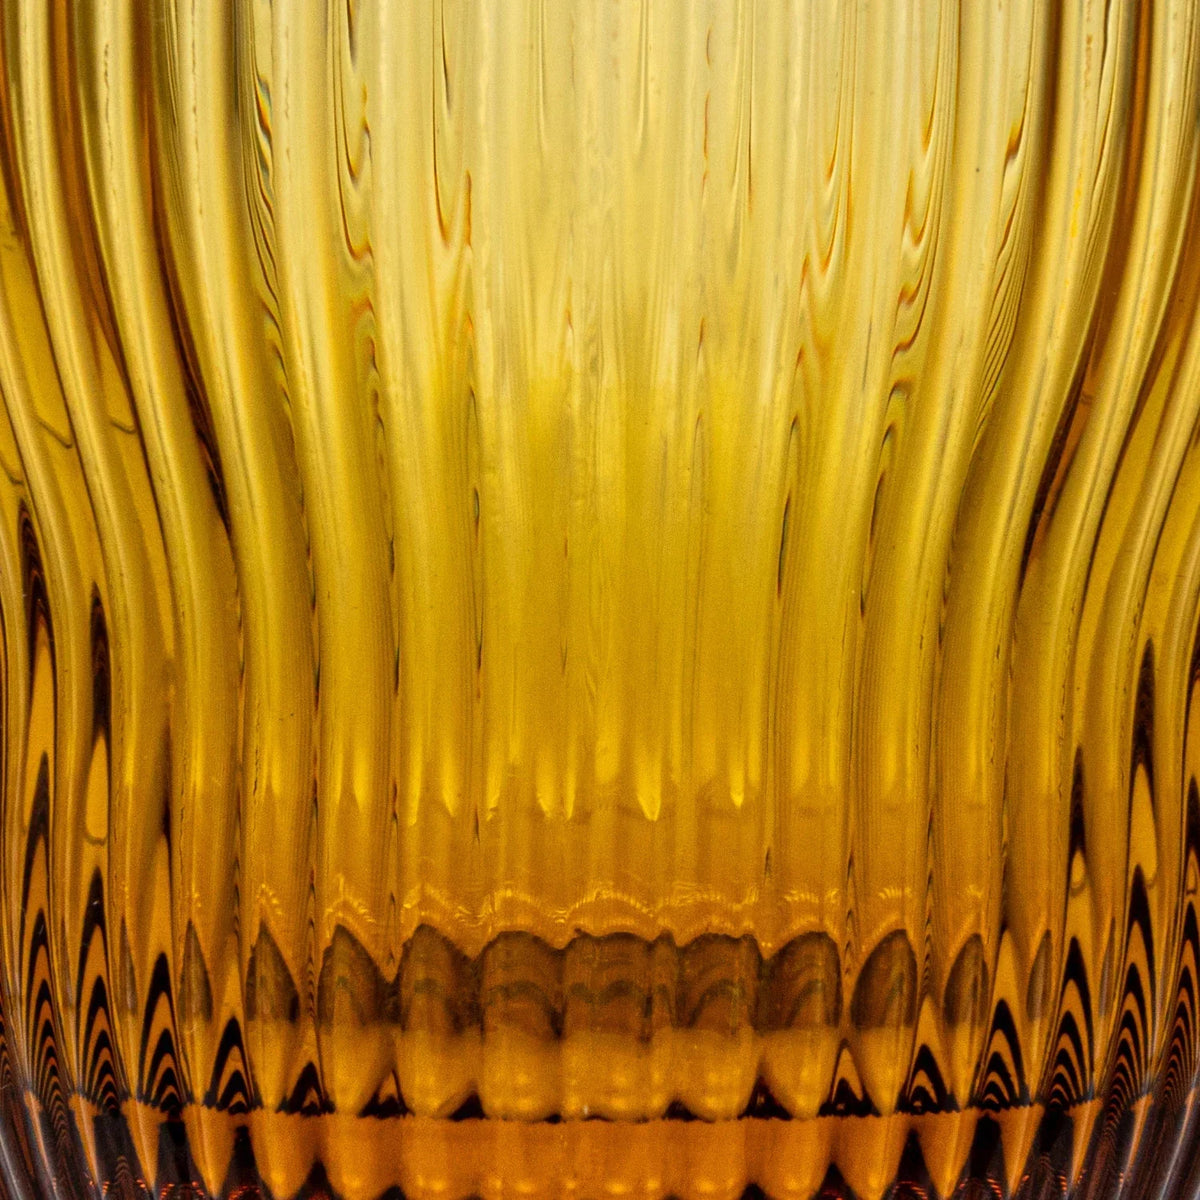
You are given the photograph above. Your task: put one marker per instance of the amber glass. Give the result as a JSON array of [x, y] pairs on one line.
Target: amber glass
[[599, 598]]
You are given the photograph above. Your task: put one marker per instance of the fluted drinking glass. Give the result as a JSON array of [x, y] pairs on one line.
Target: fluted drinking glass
[[599, 598]]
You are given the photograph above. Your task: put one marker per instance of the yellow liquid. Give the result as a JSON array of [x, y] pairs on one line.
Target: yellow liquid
[[634, 561]]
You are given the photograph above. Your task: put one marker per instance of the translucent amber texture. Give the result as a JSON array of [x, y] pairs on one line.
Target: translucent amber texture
[[617, 559]]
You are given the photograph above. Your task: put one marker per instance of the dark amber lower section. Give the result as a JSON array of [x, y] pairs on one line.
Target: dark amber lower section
[[609, 1067], [1026, 1153]]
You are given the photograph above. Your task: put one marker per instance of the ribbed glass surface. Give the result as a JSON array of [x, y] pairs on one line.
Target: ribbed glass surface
[[599, 598]]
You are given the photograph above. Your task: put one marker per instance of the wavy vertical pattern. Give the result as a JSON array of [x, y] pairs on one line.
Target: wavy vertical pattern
[[620, 560]]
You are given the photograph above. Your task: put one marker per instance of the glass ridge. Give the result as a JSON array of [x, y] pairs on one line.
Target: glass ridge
[[599, 599]]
